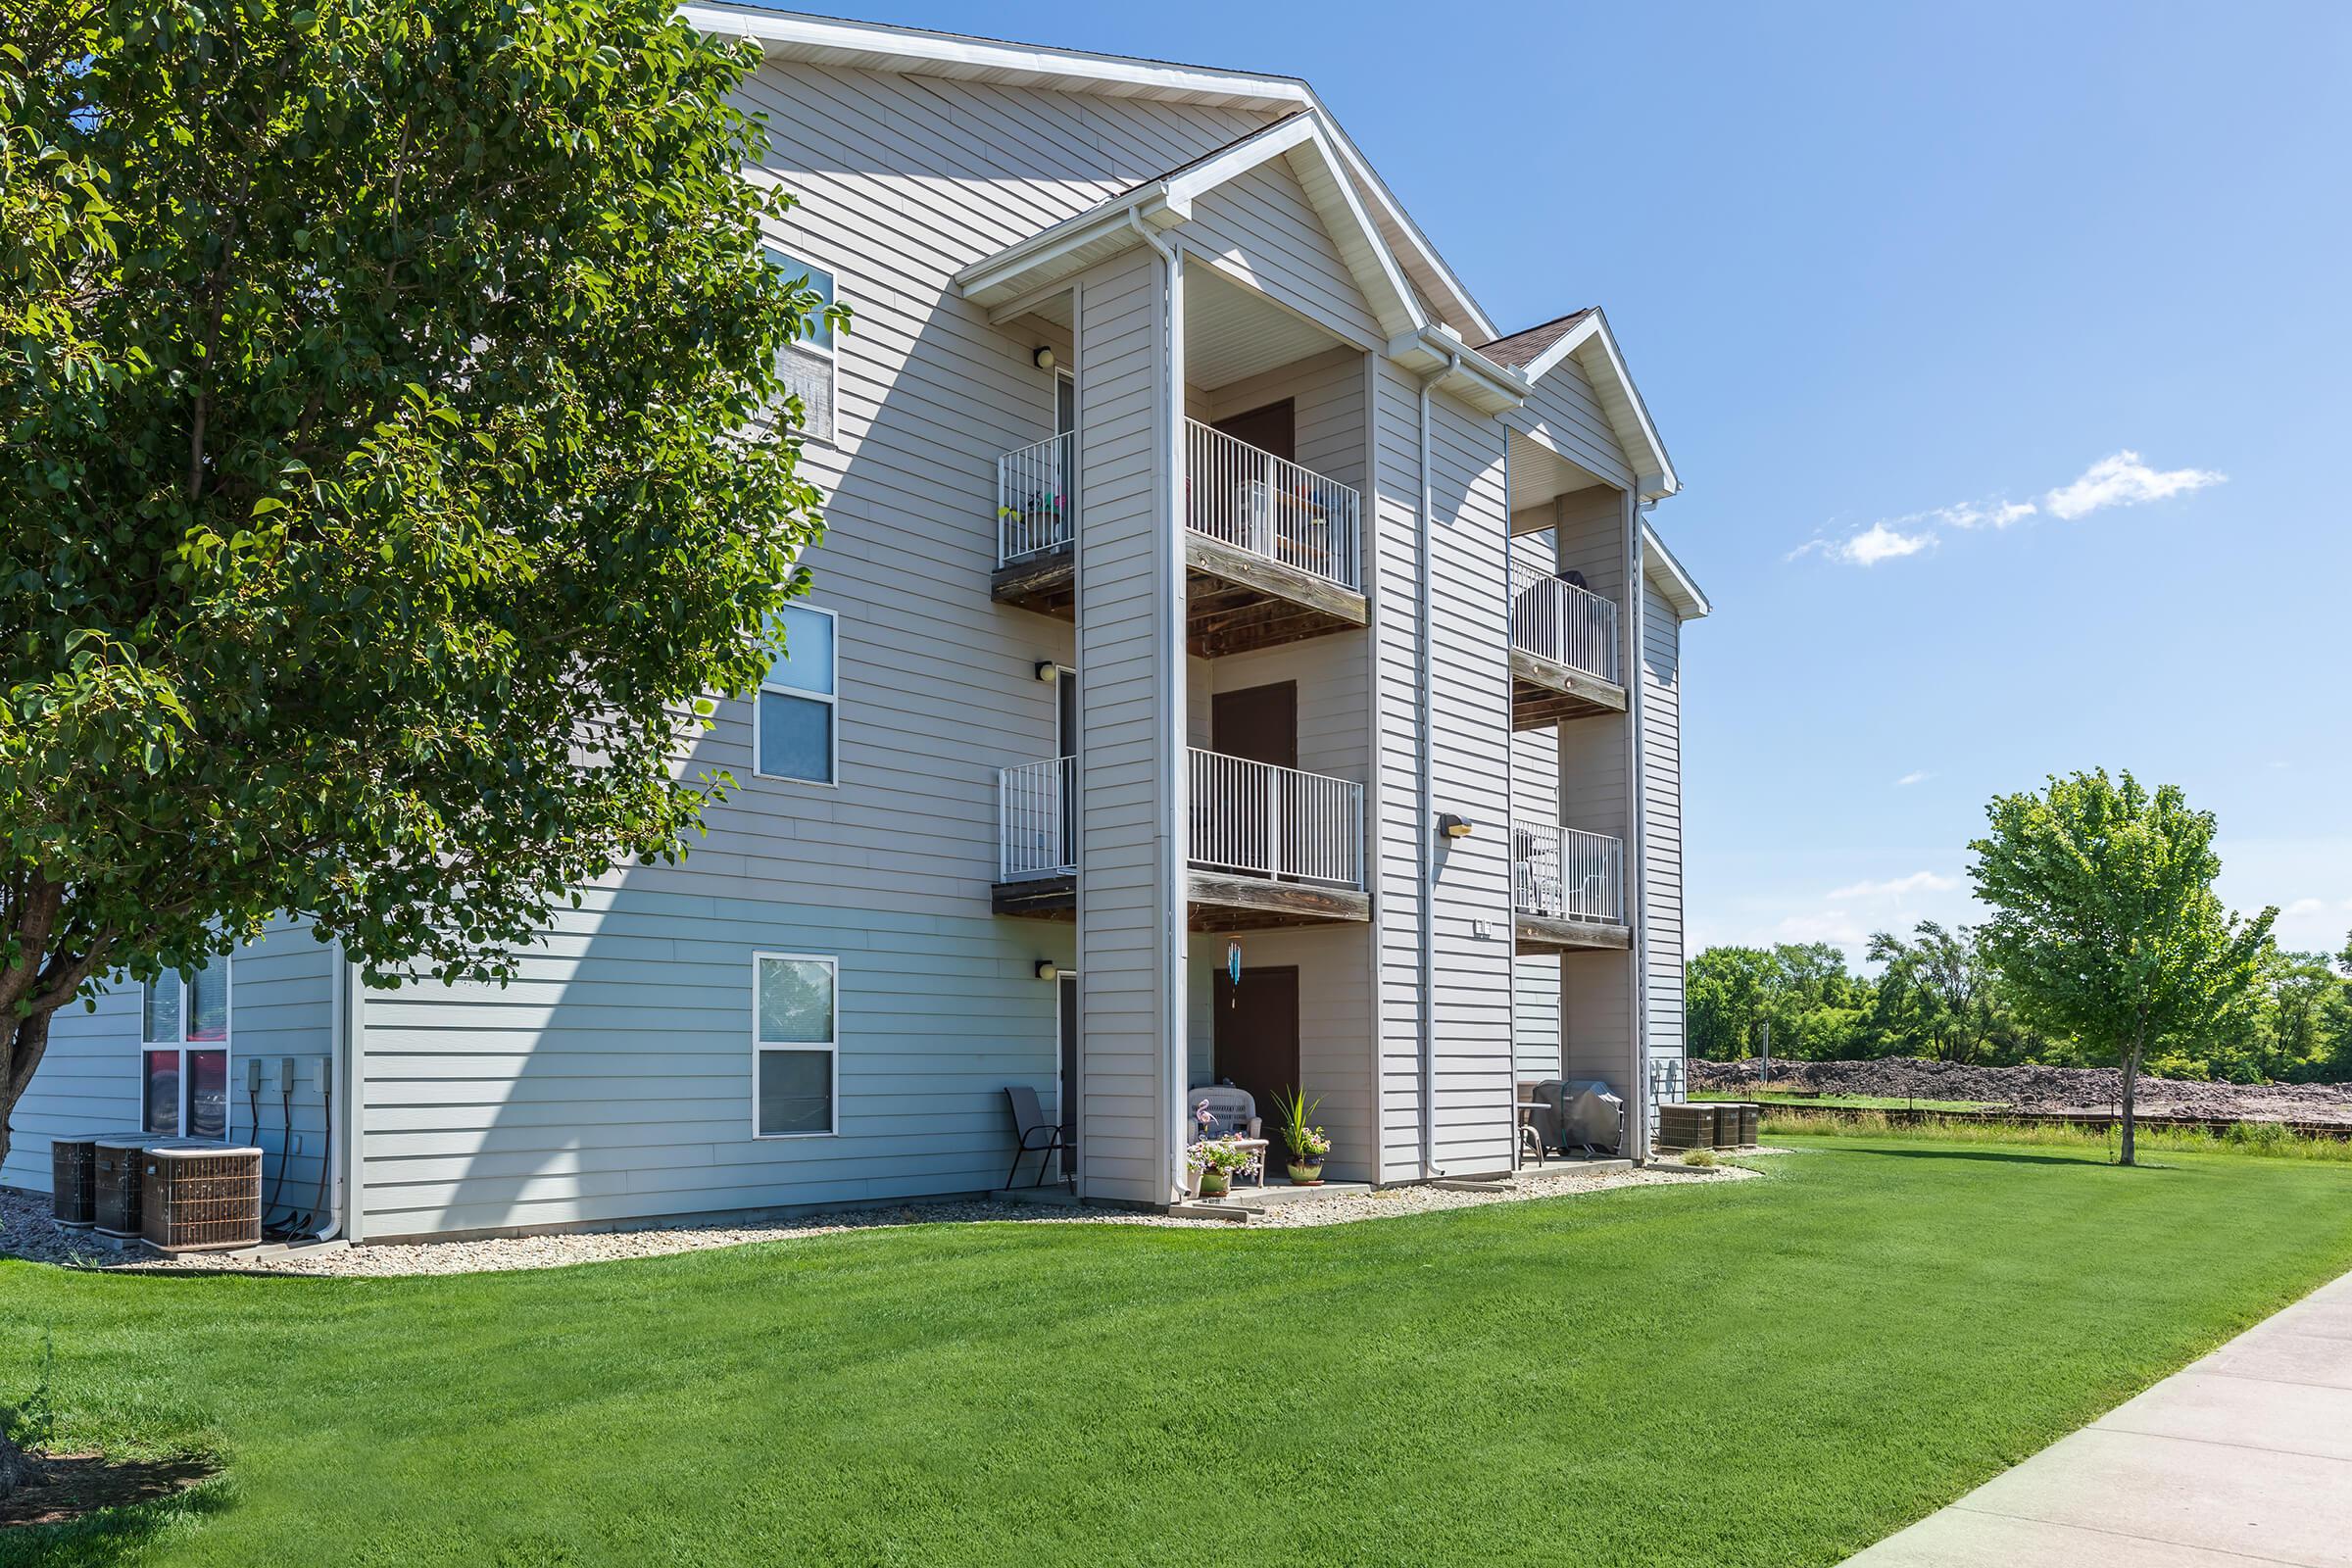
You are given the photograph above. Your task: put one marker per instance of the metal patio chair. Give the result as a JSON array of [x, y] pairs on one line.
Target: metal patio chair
[[1033, 1133]]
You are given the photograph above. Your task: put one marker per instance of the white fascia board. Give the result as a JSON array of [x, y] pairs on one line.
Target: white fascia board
[[1230, 163], [1595, 347], [832, 40], [1033, 263], [1678, 583], [1460, 298], [1471, 375]]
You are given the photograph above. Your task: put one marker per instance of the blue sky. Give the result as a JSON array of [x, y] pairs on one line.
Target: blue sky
[[1882, 272]]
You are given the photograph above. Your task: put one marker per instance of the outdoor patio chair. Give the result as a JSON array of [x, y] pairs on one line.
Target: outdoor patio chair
[[1033, 1133], [1234, 1114]]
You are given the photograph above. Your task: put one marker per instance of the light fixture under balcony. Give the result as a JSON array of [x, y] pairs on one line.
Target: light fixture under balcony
[[1048, 671], [1048, 969], [1455, 827], [1043, 358]]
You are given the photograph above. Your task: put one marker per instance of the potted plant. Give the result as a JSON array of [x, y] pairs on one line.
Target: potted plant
[[1309, 1144], [1213, 1162]]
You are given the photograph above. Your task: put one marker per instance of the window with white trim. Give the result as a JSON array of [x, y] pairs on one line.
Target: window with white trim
[[795, 729], [796, 1019], [183, 1052], [810, 365]]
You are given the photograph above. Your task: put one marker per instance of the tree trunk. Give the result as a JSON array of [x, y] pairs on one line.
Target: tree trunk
[[18, 1056], [18, 1469], [2130, 1091]]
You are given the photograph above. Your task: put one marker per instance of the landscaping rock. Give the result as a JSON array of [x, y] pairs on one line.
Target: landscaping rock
[[28, 1231], [2094, 1089]]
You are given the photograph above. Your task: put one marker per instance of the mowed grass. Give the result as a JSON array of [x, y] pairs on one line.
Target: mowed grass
[[1761, 1372]]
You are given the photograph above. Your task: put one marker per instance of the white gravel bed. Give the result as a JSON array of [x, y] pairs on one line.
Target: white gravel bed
[[27, 1232]]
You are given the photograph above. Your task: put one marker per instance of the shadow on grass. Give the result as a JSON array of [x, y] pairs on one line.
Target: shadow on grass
[[90, 1509], [2002, 1156]]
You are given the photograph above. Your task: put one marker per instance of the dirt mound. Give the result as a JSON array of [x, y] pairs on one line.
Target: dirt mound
[[2032, 1088]]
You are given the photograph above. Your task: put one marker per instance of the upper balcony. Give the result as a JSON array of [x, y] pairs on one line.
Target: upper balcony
[[1267, 846], [1273, 552], [1567, 889], [1564, 650]]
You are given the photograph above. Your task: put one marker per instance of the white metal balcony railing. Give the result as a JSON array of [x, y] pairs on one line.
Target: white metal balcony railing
[[1032, 498], [1248, 817], [1039, 835], [1553, 619], [1271, 507], [1564, 873], [1264, 820]]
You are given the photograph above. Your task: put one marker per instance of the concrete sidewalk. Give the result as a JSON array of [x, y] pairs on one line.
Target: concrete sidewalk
[[2245, 1457]]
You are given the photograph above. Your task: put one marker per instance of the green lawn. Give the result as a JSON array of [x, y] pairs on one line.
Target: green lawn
[[1760, 1372]]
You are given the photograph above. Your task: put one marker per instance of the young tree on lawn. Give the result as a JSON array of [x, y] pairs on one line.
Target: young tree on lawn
[[393, 457], [2105, 924]]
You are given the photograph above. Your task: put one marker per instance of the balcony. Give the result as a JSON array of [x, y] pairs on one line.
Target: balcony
[[1266, 846], [1564, 650], [1273, 552], [1567, 889]]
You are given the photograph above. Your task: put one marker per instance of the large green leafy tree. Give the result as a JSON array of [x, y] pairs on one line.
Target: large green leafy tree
[[2105, 924], [390, 464]]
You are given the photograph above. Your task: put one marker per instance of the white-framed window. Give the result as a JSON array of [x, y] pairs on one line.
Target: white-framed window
[[796, 719], [796, 1046], [183, 1052], [811, 365]]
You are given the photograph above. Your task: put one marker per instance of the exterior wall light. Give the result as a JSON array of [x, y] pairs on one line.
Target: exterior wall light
[[1043, 358], [1048, 671], [1048, 969], [1455, 827]]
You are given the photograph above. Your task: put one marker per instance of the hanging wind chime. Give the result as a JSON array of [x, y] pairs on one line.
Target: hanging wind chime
[[1233, 972]]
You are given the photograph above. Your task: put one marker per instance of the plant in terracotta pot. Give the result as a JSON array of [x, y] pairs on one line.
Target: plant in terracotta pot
[[1213, 1162], [1309, 1145]]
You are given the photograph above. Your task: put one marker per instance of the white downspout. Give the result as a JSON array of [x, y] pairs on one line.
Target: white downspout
[[1170, 675], [347, 1026], [1426, 766], [1637, 896]]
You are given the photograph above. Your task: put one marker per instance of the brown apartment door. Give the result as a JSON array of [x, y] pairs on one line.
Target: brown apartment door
[[1273, 428], [1259, 722], [1256, 1034], [1249, 819]]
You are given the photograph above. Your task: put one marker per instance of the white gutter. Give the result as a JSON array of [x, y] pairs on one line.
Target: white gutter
[[1170, 674], [1425, 764]]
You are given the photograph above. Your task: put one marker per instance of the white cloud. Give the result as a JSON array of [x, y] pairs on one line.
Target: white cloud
[[2123, 480], [1920, 776], [1872, 545], [1899, 887], [1985, 514]]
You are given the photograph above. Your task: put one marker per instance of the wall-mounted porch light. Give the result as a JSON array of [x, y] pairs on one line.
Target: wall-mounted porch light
[[1048, 671], [1043, 358], [1455, 827], [1048, 969]]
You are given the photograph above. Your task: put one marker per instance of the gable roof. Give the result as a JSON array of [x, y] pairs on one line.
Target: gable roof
[[1521, 348], [1043, 262], [1585, 336], [874, 46], [1673, 581]]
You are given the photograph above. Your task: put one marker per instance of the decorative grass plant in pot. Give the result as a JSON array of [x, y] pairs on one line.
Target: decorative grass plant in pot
[[1213, 1160], [1309, 1144]]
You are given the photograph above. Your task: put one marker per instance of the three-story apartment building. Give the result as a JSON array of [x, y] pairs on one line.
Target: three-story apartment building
[[1231, 658]]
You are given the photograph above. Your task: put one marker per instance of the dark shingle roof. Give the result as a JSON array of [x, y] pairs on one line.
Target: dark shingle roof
[[1525, 348]]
